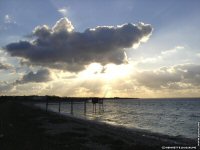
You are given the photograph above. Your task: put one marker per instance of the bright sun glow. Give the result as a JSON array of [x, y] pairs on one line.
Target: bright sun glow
[[108, 72]]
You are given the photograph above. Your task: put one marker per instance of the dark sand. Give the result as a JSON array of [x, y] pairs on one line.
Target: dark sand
[[28, 128]]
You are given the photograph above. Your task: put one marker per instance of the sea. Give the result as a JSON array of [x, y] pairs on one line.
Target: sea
[[174, 116]]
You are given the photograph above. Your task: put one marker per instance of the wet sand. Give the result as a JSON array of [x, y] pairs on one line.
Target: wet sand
[[29, 128]]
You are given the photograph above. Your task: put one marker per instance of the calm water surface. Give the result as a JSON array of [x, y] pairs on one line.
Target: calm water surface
[[177, 117]]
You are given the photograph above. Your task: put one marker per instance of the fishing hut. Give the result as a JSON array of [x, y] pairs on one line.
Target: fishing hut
[[98, 101]]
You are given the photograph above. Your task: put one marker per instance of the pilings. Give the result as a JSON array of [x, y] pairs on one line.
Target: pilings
[[73, 101], [59, 104], [97, 101], [94, 107], [85, 107], [101, 107], [47, 103], [72, 107]]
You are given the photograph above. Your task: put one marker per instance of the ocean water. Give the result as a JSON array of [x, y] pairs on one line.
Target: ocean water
[[176, 117]]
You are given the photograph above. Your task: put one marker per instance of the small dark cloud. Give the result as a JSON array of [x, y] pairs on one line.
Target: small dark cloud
[[62, 47], [39, 76], [103, 70]]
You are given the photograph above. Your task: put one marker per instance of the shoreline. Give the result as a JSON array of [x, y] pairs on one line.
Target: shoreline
[[154, 135], [87, 134], [132, 129], [153, 125]]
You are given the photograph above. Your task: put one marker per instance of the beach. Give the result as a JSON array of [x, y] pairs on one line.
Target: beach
[[26, 127]]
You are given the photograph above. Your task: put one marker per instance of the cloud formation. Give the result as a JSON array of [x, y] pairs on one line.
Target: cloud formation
[[176, 77], [5, 66], [42, 75], [5, 87], [62, 47]]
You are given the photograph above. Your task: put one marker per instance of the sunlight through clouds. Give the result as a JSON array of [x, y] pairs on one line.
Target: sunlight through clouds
[[71, 48]]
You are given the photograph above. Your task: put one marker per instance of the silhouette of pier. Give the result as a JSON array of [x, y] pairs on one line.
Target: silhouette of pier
[[97, 103]]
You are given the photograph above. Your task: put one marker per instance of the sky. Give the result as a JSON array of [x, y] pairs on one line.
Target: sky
[[107, 48]]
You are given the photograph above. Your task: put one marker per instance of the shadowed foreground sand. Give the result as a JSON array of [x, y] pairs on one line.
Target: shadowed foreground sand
[[28, 128]]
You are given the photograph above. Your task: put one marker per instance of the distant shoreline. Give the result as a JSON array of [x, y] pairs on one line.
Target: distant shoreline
[[52, 96], [47, 97]]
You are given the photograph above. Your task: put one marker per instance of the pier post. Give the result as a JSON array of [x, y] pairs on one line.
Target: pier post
[[85, 107], [46, 105], [59, 106], [71, 106], [99, 107], [102, 105], [95, 108]]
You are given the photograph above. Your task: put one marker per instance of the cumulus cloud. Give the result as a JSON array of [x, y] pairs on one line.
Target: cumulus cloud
[[176, 77], [62, 47], [5, 66], [157, 79], [42, 75], [62, 25]]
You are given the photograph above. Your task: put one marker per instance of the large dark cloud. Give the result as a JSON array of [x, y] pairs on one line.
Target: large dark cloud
[[176, 77], [62, 47], [42, 75]]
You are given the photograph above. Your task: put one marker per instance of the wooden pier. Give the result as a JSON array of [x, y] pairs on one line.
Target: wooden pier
[[71, 101]]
